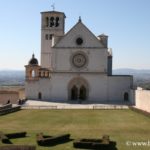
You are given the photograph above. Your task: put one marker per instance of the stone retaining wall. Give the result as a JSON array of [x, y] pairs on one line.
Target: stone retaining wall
[[142, 99]]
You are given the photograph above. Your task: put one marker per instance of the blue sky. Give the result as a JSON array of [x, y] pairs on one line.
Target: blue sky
[[126, 22]]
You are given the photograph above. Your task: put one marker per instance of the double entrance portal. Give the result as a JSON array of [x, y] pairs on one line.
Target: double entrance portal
[[78, 89], [78, 93]]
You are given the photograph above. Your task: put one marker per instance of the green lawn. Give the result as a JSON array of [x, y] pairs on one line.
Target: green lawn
[[120, 125]]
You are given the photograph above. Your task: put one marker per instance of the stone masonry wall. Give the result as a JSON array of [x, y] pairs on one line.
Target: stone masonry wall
[[142, 99]]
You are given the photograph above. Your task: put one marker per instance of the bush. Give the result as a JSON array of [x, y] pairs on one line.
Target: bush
[[16, 135], [105, 139], [39, 137]]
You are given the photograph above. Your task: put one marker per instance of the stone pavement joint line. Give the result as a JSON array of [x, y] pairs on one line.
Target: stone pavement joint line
[[32, 104]]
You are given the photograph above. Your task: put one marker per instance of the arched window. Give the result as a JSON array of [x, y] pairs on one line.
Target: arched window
[[32, 73], [51, 21], [126, 96], [39, 74], [50, 36], [48, 74], [39, 95], [47, 21], [43, 74], [82, 94], [57, 22], [74, 93], [46, 36]]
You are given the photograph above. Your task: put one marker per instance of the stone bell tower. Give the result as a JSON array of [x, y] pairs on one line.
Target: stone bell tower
[[52, 29]]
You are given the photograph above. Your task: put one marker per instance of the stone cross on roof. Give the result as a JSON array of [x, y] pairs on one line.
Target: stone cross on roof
[[53, 6]]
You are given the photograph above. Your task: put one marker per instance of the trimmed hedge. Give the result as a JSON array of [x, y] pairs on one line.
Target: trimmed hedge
[[92, 145], [16, 135], [18, 147], [10, 110], [7, 106], [51, 140], [4, 138], [81, 144], [90, 140], [104, 143]]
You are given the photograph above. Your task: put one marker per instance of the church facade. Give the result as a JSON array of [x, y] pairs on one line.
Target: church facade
[[76, 65]]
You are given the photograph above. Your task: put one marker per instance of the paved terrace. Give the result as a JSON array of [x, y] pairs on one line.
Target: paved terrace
[[32, 104]]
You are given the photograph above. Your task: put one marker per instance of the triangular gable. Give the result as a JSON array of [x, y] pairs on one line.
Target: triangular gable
[[79, 30]]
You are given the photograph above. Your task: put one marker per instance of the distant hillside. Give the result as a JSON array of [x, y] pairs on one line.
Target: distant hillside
[[141, 77], [13, 77], [134, 72]]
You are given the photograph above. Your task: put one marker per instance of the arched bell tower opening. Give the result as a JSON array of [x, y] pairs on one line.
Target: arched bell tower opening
[[39, 95], [32, 73], [78, 89]]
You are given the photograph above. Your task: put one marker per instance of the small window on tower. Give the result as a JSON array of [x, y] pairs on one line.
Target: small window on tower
[[46, 36], [33, 73], [50, 36], [47, 21], [39, 74]]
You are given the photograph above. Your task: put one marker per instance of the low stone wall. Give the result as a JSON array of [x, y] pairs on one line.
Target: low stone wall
[[12, 93], [142, 99], [11, 96]]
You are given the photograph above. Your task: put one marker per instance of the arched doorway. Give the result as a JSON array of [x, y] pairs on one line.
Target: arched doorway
[[39, 95], [74, 93], [78, 89], [126, 96], [82, 93]]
